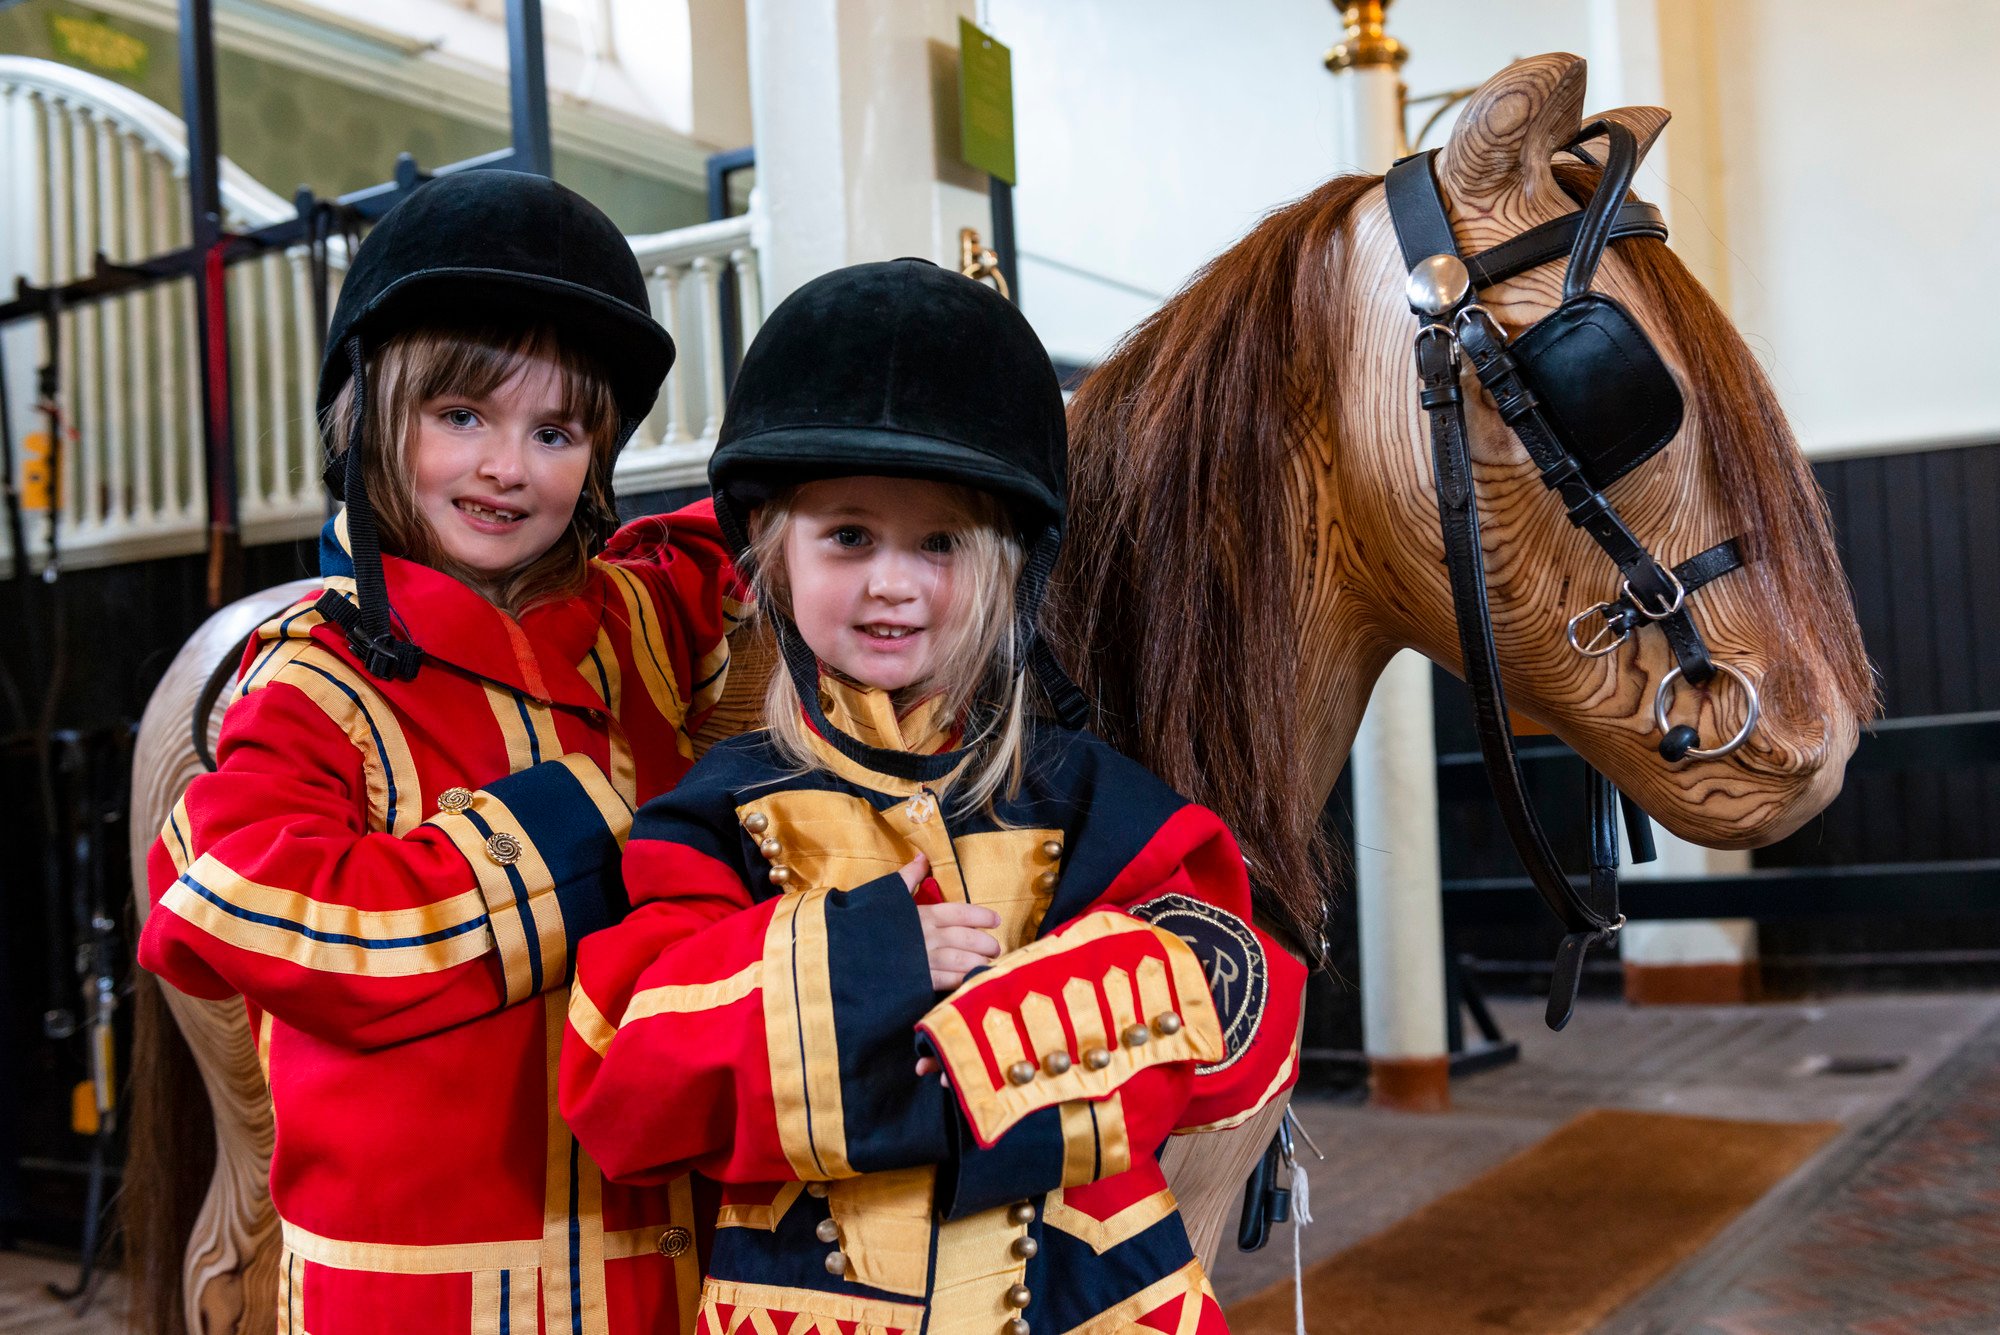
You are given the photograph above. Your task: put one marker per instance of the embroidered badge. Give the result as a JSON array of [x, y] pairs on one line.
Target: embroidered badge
[[1239, 978]]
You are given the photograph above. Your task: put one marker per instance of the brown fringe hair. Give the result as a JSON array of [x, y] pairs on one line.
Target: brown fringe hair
[[433, 360], [1175, 602]]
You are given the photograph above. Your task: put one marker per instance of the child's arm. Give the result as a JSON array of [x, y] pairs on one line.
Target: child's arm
[[266, 882], [754, 1041], [681, 603], [1159, 1008]]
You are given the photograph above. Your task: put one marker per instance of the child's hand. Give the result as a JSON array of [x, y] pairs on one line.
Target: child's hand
[[953, 940]]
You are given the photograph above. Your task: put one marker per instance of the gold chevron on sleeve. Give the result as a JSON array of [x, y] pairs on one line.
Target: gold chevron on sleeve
[[1175, 983]]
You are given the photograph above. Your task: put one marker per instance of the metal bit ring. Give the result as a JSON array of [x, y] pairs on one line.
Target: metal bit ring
[[1663, 697]]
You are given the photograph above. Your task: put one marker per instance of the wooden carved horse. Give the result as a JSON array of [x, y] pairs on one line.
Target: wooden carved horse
[[1254, 534]]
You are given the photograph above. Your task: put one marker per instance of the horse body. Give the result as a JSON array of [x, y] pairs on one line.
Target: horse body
[[1254, 535]]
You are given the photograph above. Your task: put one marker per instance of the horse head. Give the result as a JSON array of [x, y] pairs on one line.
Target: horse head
[[1255, 533], [1785, 620]]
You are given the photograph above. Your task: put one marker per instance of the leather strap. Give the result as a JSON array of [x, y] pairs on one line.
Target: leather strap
[[1593, 234], [1485, 345], [1423, 229], [1458, 516], [1553, 239]]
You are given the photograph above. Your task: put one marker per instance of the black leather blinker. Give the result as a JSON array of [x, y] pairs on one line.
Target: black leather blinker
[[1610, 399]]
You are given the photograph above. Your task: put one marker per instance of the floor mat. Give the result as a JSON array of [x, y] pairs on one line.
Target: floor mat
[[1553, 1239]]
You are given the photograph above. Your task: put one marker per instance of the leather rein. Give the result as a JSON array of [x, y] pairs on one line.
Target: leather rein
[[1582, 364]]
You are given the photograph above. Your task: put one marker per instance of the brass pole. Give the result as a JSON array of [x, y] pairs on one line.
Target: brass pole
[[1366, 41]]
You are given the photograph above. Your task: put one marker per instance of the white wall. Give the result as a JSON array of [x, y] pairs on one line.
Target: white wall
[[1863, 202], [1830, 170], [1151, 136]]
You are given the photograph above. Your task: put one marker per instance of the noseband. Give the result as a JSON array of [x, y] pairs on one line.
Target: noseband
[[1589, 397]]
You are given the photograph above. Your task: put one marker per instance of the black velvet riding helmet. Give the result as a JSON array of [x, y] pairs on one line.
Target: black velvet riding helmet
[[902, 369], [471, 246]]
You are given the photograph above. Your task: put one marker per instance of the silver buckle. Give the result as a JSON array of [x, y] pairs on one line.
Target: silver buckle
[[1605, 639], [1680, 597], [1663, 697]]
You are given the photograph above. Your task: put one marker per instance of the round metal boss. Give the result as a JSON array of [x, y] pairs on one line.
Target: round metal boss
[[1438, 284], [1664, 697]]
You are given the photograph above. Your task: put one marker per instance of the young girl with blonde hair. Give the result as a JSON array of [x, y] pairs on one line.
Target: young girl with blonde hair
[[923, 978], [427, 772]]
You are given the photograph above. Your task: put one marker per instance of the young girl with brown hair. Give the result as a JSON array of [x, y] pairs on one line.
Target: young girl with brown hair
[[428, 770]]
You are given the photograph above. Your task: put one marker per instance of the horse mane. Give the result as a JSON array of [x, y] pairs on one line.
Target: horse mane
[[1175, 602]]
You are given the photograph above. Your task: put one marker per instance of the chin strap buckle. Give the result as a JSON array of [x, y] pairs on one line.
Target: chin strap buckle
[[384, 656]]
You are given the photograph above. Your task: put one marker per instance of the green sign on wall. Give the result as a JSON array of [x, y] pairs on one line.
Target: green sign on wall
[[95, 44], [985, 103]]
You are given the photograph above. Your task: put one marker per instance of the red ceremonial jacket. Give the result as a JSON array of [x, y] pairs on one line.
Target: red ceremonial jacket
[[394, 875], [758, 1015]]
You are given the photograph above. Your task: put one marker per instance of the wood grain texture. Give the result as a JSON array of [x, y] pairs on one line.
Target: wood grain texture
[[230, 1283]]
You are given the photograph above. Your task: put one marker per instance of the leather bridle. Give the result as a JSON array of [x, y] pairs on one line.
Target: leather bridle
[[1590, 399]]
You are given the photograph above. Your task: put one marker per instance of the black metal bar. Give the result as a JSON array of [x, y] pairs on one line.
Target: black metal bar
[[109, 280], [204, 172], [722, 166], [1002, 196], [1909, 889], [527, 88]]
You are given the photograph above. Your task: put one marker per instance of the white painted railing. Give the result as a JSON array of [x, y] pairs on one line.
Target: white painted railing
[[87, 166], [685, 271]]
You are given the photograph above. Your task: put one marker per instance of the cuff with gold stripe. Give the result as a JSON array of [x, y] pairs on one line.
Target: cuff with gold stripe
[[1064, 1146], [543, 845], [1073, 1016]]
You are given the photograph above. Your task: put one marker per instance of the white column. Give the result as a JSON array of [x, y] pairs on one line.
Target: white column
[[855, 161], [1394, 762]]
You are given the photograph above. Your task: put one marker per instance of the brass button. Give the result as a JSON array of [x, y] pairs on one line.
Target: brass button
[[1096, 1058], [828, 1231], [1135, 1036], [1051, 850], [780, 875], [816, 1190], [454, 799], [1018, 1296], [1025, 1248], [1020, 1073], [1166, 1024], [756, 822], [1045, 882], [770, 848], [1021, 1212], [503, 848], [1056, 1063], [675, 1242], [836, 1263], [1016, 1326]]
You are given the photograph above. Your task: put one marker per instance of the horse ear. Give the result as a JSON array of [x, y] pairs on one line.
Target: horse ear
[[1645, 123], [1508, 133]]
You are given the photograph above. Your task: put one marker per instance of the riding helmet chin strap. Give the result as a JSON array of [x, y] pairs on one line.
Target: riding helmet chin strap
[[366, 619]]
